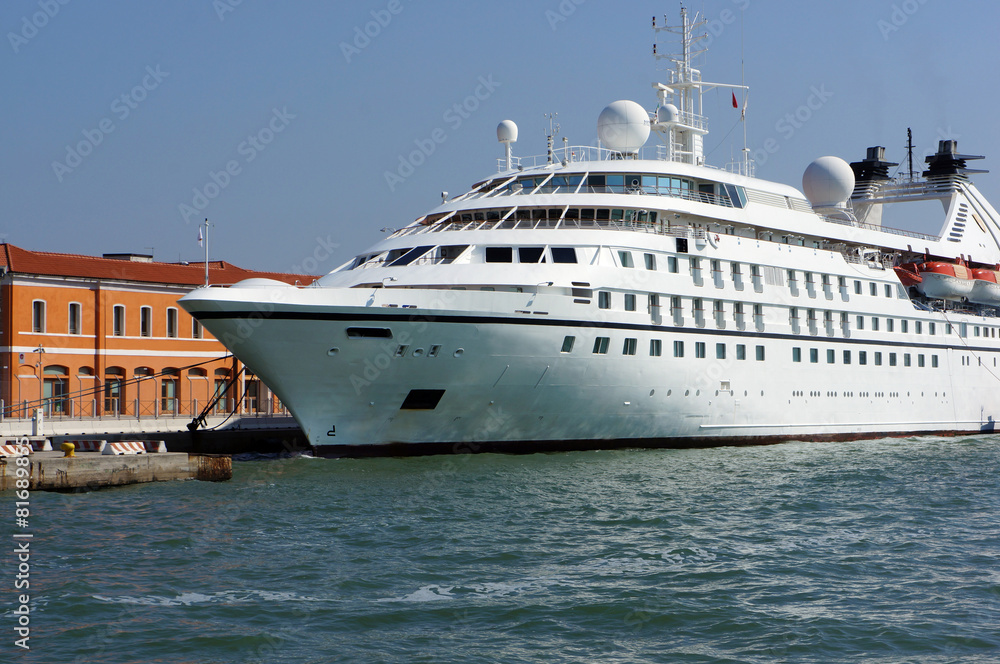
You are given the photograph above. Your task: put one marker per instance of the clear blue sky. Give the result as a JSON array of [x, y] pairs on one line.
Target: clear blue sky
[[309, 127]]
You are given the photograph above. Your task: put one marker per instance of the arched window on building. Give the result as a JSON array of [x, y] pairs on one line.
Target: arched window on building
[[55, 389], [169, 391], [114, 391]]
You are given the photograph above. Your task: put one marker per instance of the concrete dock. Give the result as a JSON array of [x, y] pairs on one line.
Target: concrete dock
[[88, 471]]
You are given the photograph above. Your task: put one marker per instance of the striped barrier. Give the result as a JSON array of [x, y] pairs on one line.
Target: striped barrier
[[14, 450], [125, 447], [88, 445], [40, 444], [155, 446]]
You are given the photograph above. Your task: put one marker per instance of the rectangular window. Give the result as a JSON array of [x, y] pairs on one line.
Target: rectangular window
[[918, 327], [892, 359], [814, 355], [601, 345], [862, 357], [847, 357], [38, 316], [699, 349], [626, 258], [434, 350], [760, 353], [672, 264], [526, 255], [499, 255], [878, 359], [889, 324], [567, 346], [874, 323], [873, 288], [655, 348], [861, 322], [906, 359], [146, 322], [931, 329], [934, 361], [604, 299], [720, 351], [196, 329], [947, 329], [796, 354], [563, 254], [650, 261], [629, 347], [171, 322], [741, 351], [888, 290], [904, 326], [678, 349], [629, 301], [857, 287], [920, 361], [75, 317], [118, 326], [831, 356]]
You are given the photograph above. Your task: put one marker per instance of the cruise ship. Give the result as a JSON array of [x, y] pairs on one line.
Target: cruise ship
[[629, 294]]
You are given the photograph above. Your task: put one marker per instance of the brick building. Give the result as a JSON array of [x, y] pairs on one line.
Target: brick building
[[82, 336]]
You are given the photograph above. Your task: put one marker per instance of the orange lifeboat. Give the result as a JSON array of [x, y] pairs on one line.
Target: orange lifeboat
[[938, 280], [985, 288]]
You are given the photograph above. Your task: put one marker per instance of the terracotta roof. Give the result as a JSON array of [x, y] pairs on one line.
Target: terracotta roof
[[24, 261]]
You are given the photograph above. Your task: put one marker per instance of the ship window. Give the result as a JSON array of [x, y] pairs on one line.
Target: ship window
[[857, 287], [878, 359], [841, 282], [629, 301], [597, 181], [736, 195], [563, 255], [920, 361], [814, 355], [433, 352], [975, 331], [892, 359], [963, 330], [796, 354], [741, 351], [847, 357], [655, 347], [531, 254], [906, 359], [411, 255], [760, 354], [401, 350], [630, 346], [603, 214], [862, 357], [889, 324], [699, 349], [650, 261], [918, 327], [874, 323], [831, 356], [369, 333], [873, 288], [825, 279], [791, 277], [616, 183], [888, 290], [449, 253], [861, 322], [499, 255], [587, 214], [934, 361], [601, 345], [567, 346], [682, 245], [603, 299], [617, 214], [672, 264], [625, 257], [904, 326], [422, 400], [720, 351], [947, 329], [678, 349], [809, 277]]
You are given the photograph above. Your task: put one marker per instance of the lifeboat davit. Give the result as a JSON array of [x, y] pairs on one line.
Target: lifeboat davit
[[938, 280], [985, 287]]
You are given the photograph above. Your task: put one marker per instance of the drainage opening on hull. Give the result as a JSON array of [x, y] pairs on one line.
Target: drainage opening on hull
[[422, 400]]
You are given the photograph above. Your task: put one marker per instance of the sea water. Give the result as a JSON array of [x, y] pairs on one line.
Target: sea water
[[874, 551]]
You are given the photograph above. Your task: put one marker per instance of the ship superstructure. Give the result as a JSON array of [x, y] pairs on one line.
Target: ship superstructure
[[628, 295]]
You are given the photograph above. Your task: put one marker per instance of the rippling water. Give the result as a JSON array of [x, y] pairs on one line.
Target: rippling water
[[883, 551]]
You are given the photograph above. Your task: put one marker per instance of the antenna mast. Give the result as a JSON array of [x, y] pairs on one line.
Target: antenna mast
[[909, 150]]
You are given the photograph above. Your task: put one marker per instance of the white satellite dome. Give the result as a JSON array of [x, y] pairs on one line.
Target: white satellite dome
[[623, 126], [667, 113], [507, 132], [828, 182]]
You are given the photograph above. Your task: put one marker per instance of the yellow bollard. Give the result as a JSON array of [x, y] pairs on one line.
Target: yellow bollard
[[68, 449]]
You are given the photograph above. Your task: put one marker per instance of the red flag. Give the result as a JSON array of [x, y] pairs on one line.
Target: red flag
[[735, 105]]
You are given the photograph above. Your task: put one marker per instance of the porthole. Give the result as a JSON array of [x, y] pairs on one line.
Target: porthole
[[697, 393], [669, 392], [687, 392], [652, 392], [418, 352], [459, 352], [332, 351]]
